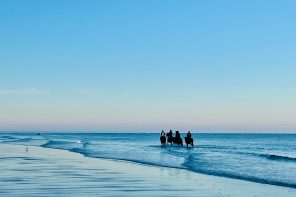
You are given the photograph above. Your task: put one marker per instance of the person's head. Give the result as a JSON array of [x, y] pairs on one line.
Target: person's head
[[188, 131], [171, 130], [177, 131]]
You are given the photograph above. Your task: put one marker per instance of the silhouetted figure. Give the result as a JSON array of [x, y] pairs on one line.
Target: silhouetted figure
[[177, 139], [170, 137], [177, 136], [188, 134], [162, 138], [189, 139]]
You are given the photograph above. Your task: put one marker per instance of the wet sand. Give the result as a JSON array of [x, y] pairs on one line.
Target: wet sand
[[37, 171]]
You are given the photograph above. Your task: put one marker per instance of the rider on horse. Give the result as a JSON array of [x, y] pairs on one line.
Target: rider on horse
[[169, 136], [189, 139], [162, 138], [177, 139]]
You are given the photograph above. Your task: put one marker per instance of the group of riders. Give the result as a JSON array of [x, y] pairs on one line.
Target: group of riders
[[168, 138]]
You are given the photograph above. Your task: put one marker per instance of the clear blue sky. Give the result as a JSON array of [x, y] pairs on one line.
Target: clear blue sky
[[148, 65]]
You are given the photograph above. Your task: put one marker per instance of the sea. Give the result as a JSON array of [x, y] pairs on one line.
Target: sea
[[262, 158]]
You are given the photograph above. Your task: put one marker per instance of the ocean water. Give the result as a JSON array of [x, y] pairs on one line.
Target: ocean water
[[263, 158]]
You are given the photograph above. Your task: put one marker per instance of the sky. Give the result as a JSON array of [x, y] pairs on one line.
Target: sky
[[140, 66]]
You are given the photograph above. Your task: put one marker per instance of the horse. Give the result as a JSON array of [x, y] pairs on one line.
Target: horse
[[162, 140], [177, 141], [189, 140], [169, 139]]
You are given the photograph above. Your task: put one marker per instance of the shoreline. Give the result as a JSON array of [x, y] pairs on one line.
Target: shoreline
[[183, 168], [132, 179], [138, 162]]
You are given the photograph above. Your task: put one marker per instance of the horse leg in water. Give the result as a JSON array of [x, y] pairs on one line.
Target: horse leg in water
[[180, 142], [187, 141], [163, 140], [169, 140]]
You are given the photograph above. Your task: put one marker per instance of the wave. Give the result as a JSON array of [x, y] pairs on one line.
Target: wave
[[246, 178], [8, 137], [53, 143], [278, 157], [65, 145], [230, 150], [16, 140], [185, 166], [270, 156], [216, 172], [87, 153]]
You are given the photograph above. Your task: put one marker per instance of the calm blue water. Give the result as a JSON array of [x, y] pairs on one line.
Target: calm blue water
[[264, 158]]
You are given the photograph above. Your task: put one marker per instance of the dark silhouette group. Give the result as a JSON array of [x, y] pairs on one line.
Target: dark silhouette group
[[170, 139]]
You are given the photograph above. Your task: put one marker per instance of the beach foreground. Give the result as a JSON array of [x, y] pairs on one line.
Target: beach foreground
[[36, 171]]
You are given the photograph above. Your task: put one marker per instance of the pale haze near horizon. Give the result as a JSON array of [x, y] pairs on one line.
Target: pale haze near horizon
[[208, 66]]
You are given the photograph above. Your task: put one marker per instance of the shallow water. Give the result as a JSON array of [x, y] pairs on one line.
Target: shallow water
[[31, 171], [264, 158]]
